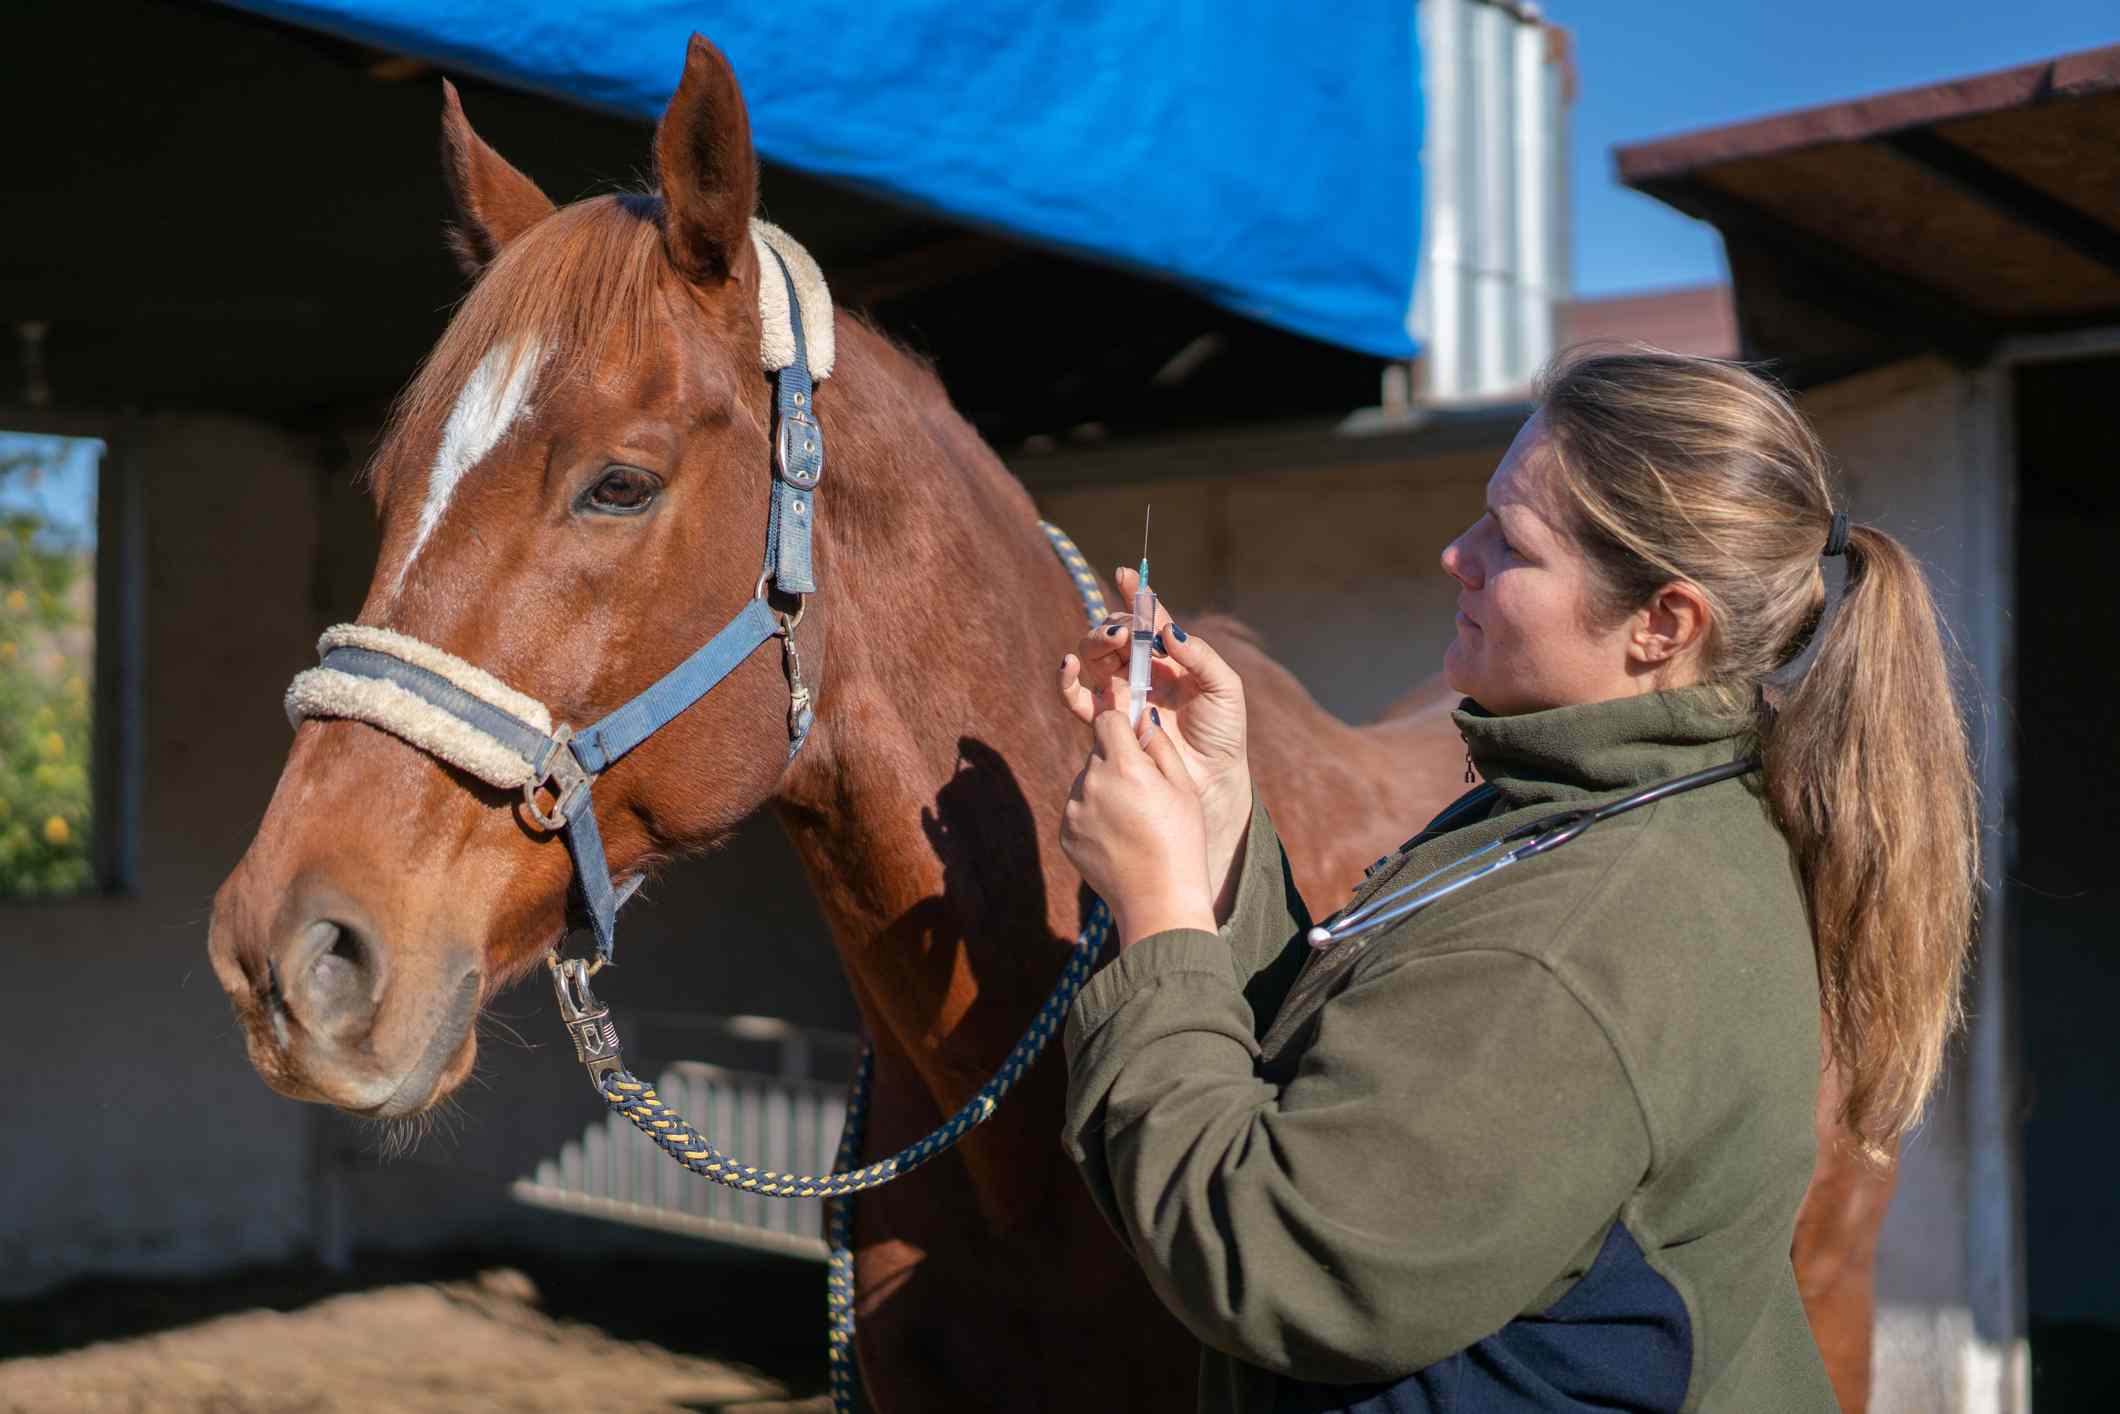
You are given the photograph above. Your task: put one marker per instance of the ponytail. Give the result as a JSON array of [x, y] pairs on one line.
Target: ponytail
[[1697, 469], [1868, 777]]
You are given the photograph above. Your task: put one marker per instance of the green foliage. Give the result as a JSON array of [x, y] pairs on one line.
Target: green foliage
[[47, 606]]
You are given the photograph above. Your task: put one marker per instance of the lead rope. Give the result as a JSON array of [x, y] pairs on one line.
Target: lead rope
[[596, 1045], [839, 1212]]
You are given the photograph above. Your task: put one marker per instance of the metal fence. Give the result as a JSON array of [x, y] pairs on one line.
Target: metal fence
[[779, 1115]]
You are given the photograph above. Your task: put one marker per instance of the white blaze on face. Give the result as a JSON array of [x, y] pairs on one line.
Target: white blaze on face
[[484, 412]]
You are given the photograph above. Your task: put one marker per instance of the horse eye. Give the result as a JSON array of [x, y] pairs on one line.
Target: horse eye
[[623, 490]]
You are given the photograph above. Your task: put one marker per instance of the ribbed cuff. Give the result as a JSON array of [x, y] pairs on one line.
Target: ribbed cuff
[[1159, 955]]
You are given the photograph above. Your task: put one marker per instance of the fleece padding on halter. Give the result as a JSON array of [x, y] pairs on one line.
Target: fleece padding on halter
[[776, 349], [498, 745], [420, 694]]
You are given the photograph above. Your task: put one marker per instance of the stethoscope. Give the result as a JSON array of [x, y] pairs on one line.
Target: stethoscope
[[1523, 842]]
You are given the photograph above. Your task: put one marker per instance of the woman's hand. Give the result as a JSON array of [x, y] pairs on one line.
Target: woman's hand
[[1200, 700], [1133, 826]]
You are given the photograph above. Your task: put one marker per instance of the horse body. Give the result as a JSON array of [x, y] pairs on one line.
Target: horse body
[[924, 807], [926, 811]]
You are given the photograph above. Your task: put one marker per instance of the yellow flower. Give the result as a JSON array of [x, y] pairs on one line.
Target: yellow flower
[[7, 652], [17, 601], [55, 831], [54, 744], [76, 685]]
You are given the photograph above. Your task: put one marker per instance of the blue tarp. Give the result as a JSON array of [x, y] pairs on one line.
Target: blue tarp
[[1263, 152]]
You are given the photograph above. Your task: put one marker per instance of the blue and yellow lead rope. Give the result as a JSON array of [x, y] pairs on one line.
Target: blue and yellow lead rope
[[676, 1136]]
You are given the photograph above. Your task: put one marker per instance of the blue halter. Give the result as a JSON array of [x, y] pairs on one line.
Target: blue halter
[[565, 762]]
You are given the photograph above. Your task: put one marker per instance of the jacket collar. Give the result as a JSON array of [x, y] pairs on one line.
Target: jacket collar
[[1568, 753]]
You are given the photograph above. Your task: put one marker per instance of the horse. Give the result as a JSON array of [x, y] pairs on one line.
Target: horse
[[572, 494]]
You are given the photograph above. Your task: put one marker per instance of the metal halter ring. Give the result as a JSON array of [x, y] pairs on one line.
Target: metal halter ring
[[569, 782], [555, 964], [787, 621]]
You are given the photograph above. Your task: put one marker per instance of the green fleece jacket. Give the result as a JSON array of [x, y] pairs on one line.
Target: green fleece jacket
[[1388, 1163]]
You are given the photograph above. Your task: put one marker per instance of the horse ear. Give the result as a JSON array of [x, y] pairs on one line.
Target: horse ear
[[708, 172], [494, 202]]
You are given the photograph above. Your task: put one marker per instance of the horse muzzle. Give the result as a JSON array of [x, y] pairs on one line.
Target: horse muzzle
[[327, 1018]]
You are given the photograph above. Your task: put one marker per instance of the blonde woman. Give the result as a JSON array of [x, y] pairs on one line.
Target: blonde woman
[[1538, 1142]]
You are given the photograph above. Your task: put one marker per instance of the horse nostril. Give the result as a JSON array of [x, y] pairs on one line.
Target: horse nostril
[[334, 977]]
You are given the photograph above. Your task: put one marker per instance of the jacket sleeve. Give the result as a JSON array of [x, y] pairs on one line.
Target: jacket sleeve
[[1267, 918], [1456, 1134]]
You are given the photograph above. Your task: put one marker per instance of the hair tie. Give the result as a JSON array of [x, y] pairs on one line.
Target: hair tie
[[1837, 535], [1835, 574]]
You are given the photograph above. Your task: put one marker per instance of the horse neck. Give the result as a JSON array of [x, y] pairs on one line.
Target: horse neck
[[926, 806]]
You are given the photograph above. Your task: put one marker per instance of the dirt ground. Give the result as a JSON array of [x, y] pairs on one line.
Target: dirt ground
[[494, 1339]]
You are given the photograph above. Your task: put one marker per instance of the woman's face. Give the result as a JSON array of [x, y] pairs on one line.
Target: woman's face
[[1526, 639]]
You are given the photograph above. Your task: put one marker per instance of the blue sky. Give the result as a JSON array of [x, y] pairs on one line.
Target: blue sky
[[1656, 68], [53, 478]]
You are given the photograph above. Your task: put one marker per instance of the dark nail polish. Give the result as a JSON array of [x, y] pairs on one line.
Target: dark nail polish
[[1178, 633], [1155, 716], [1160, 649], [1112, 631]]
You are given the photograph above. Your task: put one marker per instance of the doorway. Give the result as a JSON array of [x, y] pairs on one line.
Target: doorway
[[2063, 889]]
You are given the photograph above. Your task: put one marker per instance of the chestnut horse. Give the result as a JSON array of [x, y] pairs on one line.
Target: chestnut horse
[[572, 496]]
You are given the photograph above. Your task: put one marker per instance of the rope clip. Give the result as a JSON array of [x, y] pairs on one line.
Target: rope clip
[[588, 1021], [799, 711]]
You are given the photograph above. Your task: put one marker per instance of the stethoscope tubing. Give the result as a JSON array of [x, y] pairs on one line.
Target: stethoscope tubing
[[1547, 833]]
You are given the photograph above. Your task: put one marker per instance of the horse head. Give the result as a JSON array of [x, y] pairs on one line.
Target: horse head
[[575, 481]]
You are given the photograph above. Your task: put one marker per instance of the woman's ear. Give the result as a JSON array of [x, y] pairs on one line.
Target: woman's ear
[[494, 202], [1674, 623]]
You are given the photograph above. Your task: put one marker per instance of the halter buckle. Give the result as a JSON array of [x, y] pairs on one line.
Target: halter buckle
[[588, 1021], [801, 470], [570, 783]]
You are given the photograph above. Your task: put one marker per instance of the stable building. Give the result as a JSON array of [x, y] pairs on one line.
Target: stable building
[[227, 263]]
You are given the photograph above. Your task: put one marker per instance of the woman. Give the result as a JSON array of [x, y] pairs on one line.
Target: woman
[[1540, 1144]]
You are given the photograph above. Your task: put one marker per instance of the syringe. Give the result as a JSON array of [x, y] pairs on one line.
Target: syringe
[[1144, 642]]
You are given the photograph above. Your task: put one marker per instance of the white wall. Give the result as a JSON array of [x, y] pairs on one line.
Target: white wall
[[1926, 451], [137, 1139], [1334, 566], [137, 1136]]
